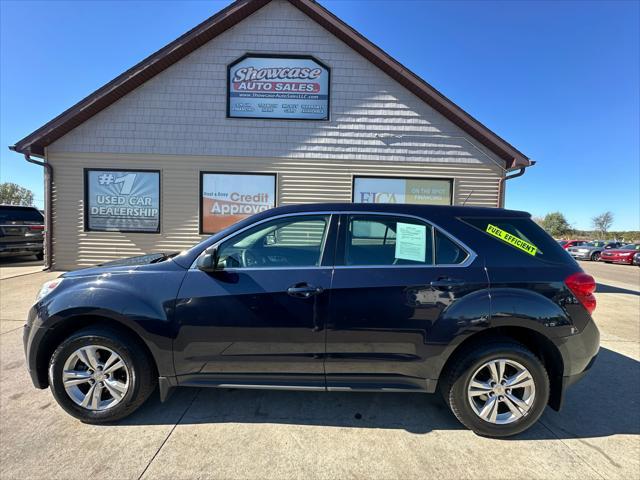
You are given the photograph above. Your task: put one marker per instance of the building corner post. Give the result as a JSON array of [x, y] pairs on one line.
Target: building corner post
[[48, 196]]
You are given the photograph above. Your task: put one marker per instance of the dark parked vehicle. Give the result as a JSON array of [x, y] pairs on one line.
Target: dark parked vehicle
[[636, 259], [21, 231], [623, 254], [591, 250], [479, 304]]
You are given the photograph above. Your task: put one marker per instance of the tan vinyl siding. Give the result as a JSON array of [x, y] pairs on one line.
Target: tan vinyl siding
[[176, 122], [298, 182]]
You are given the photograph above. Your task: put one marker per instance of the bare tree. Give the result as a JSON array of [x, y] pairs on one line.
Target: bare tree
[[602, 223]]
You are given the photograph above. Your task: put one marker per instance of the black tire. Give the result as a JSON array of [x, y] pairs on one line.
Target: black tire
[[142, 378], [595, 256], [40, 256], [458, 376]]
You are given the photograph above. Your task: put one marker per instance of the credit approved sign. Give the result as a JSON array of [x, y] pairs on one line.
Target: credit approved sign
[[512, 240], [229, 197]]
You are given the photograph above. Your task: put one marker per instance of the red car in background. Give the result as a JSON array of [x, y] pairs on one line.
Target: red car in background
[[623, 254], [571, 243]]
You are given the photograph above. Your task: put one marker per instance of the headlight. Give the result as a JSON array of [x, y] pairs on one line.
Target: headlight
[[48, 287]]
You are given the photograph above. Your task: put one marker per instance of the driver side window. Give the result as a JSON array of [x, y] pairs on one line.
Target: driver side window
[[284, 242]]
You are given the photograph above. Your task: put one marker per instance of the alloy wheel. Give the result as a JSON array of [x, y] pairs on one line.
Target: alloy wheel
[[501, 391], [95, 377]]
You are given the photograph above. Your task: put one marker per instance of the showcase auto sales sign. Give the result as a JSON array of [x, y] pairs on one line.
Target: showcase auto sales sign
[[278, 87]]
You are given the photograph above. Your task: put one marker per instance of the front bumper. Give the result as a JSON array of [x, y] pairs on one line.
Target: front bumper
[[32, 336], [625, 260]]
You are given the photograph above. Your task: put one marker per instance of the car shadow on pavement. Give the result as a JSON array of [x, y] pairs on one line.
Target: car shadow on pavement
[[604, 403], [602, 288], [24, 261]]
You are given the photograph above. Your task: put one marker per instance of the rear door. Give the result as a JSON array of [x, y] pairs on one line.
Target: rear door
[[394, 281]]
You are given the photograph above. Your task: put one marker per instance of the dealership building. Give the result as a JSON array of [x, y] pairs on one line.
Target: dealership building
[[266, 103]]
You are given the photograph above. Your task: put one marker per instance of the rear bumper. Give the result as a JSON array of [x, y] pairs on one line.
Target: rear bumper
[[579, 353], [580, 255], [15, 249]]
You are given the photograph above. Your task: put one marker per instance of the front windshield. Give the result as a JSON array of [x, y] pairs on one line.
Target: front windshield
[[594, 244], [631, 246], [562, 242]]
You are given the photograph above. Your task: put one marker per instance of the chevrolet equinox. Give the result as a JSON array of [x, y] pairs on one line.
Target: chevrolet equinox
[[479, 304]]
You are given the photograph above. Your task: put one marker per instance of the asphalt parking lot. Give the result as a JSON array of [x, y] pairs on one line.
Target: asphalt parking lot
[[210, 433]]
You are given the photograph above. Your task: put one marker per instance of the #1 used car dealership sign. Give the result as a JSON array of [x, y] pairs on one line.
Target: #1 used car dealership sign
[[122, 201], [278, 87]]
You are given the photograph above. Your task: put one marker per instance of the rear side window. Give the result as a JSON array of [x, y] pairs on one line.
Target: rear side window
[[381, 240], [387, 240], [448, 252], [15, 214], [521, 234]]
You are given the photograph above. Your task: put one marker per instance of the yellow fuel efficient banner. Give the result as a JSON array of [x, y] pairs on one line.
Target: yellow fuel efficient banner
[[512, 239]]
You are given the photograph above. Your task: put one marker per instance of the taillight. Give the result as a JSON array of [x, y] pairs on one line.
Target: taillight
[[583, 286], [36, 228]]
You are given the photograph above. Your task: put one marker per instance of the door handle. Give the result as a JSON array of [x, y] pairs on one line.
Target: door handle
[[304, 290], [446, 283]]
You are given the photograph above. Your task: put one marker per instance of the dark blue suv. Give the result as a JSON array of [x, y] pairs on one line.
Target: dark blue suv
[[477, 303]]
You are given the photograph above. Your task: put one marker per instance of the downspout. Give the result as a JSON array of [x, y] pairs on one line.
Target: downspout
[[501, 184], [48, 195]]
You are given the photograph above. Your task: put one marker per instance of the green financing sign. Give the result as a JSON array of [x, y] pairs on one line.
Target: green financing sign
[[512, 239]]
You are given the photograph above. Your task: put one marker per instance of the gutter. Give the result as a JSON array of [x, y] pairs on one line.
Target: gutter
[[48, 224], [501, 184]]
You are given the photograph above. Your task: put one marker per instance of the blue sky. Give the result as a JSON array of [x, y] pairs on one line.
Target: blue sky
[[559, 80]]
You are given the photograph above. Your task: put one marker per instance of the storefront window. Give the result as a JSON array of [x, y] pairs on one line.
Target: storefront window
[[421, 191], [226, 198], [122, 200]]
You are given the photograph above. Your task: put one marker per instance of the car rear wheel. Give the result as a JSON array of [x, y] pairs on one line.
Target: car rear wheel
[[498, 389], [595, 257], [100, 375]]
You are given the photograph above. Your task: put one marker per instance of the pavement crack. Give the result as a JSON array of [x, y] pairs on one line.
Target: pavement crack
[[12, 330], [571, 449], [169, 434]]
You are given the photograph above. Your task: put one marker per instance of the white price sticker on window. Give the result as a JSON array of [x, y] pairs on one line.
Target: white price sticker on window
[[411, 241]]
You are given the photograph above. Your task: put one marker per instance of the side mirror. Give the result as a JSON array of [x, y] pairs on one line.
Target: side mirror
[[208, 262]]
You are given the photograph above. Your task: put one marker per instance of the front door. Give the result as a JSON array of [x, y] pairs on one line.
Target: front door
[[395, 281], [261, 319]]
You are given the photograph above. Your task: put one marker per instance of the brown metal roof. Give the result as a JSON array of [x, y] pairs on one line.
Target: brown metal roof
[[36, 142]]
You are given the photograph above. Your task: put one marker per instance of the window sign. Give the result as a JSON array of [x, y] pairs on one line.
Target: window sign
[[122, 201], [278, 87], [411, 242], [421, 191], [227, 198]]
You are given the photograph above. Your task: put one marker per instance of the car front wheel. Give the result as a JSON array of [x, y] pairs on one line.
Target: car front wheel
[[100, 375], [498, 389], [595, 257]]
